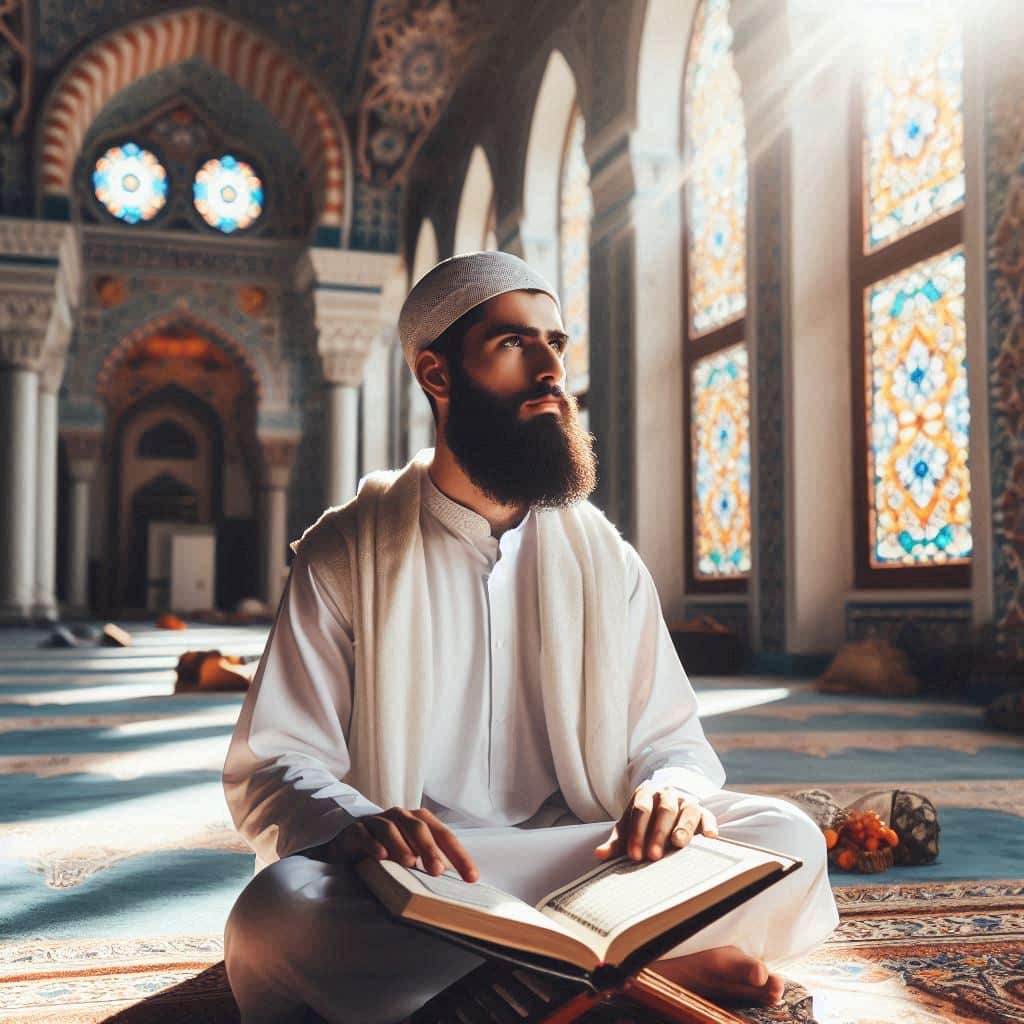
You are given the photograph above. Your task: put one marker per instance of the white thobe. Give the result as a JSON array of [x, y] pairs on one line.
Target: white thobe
[[489, 765]]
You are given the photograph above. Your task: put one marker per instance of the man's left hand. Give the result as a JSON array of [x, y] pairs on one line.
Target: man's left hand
[[656, 816]]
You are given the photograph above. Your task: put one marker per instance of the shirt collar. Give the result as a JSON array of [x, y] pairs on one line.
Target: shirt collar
[[458, 517]]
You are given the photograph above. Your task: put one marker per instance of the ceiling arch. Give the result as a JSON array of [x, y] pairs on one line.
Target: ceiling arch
[[119, 59]]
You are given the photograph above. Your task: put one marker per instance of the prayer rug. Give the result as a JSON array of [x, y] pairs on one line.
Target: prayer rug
[[935, 953]]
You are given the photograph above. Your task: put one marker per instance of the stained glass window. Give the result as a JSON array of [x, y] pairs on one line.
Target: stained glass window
[[130, 182], [914, 126], [721, 474], [919, 416], [575, 214], [227, 194], [716, 194]]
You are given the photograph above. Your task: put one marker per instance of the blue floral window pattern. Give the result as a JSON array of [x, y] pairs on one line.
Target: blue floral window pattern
[[721, 442], [919, 415], [227, 194], [914, 487], [130, 182]]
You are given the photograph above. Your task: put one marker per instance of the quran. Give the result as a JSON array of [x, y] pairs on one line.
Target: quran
[[622, 914]]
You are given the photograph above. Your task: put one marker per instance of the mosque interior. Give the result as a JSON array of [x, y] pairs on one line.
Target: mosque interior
[[787, 236]]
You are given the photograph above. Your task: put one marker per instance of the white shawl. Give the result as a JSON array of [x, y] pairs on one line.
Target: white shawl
[[377, 554]]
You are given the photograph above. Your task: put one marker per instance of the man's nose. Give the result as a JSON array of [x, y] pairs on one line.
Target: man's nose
[[550, 367]]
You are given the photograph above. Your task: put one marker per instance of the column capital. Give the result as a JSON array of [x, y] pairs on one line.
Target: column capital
[[83, 448], [278, 452], [24, 320], [348, 326], [344, 367]]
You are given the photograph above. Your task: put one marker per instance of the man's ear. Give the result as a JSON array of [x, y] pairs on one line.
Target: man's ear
[[432, 373]]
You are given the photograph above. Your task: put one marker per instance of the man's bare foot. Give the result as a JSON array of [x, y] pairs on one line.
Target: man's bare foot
[[724, 974]]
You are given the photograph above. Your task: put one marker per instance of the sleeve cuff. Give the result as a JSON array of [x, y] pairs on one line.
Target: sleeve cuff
[[688, 781]]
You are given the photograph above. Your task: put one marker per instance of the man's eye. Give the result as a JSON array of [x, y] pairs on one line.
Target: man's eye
[[560, 345], [512, 341]]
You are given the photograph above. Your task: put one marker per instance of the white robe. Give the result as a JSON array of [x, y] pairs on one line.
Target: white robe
[[489, 768]]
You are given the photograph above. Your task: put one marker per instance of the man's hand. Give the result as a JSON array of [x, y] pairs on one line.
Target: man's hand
[[401, 835], [656, 816]]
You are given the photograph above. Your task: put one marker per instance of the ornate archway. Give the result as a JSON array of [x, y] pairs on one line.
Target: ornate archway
[[258, 66]]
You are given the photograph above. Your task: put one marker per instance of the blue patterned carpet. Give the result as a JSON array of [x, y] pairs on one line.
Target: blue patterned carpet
[[116, 848]]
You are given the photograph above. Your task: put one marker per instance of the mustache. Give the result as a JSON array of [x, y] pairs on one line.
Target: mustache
[[541, 391]]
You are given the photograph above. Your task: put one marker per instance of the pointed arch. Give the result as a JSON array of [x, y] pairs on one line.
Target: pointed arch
[[117, 60], [425, 254], [475, 204], [552, 113]]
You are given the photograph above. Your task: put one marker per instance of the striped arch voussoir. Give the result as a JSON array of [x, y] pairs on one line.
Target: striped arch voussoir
[[177, 319], [102, 70]]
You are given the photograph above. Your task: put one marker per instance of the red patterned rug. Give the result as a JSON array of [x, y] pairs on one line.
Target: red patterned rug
[[914, 954]]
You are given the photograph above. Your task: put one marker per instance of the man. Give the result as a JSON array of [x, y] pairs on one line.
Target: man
[[470, 670]]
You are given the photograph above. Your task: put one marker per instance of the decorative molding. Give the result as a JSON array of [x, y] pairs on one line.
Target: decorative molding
[[937, 624], [281, 84], [176, 253], [35, 239], [346, 269]]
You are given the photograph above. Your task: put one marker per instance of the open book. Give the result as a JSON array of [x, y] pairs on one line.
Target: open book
[[601, 918]]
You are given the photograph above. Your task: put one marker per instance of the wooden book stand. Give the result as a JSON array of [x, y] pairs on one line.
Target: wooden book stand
[[502, 993]]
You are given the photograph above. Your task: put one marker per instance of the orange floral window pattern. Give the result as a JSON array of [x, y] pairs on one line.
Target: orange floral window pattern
[[914, 128], [574, 245], [918, 415], [716, 196], [721, 444]]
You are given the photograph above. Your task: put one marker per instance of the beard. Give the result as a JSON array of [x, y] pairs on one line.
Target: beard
[[544, 461]]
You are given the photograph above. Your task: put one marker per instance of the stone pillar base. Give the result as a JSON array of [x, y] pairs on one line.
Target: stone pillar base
[[46, 612]]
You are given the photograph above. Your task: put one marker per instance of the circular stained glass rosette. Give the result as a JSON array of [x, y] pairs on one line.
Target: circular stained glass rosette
[[130, 182], [227, 194]]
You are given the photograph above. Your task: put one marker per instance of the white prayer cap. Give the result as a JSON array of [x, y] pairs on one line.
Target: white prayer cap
[[453, 288]]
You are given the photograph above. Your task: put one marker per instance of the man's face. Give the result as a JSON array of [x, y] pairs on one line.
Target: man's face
[[509, 423]]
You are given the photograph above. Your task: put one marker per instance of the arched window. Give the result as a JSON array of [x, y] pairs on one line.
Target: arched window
[[717, 403], [911, 409], [491, 230], [574, 214], [476, 204]]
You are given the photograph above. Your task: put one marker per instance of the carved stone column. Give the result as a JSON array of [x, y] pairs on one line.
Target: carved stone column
[[45, 606], [23, 320], [83, 452], [38, 292], [347, 294], [278, 457], [342, 374]]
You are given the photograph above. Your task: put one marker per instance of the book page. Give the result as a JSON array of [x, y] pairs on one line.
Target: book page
[[621, 891], [476, 898]]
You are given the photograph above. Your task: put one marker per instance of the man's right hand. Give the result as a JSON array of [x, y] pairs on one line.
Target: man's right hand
[[403, 836]]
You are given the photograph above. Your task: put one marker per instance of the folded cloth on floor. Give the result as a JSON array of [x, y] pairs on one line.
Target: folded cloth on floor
[[212, 670]]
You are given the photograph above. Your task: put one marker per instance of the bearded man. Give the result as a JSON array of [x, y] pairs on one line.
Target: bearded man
[[469, 670]]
